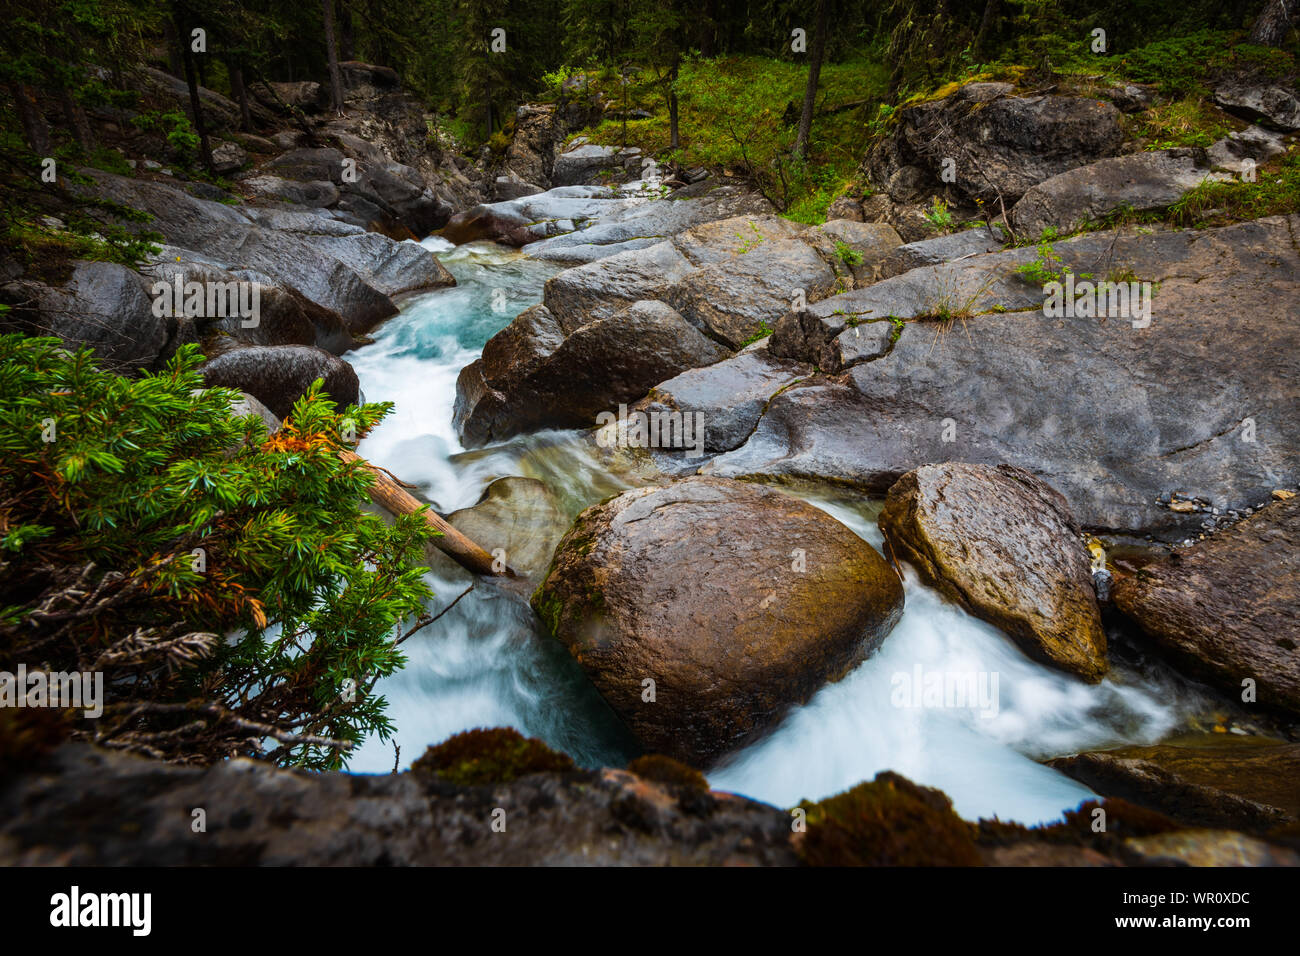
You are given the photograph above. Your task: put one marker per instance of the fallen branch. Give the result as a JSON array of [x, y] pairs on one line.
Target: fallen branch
[[389, 494]]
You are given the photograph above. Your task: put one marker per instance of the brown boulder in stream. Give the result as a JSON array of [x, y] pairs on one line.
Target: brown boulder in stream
[[704, 609], [1003, 544]]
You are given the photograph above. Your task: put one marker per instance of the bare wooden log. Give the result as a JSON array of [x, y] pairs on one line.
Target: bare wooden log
[[389, 494]]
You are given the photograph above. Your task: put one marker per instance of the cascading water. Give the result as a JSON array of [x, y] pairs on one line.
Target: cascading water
[[485, 663]]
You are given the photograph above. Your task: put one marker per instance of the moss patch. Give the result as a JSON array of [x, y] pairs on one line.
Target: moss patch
[[489, 756], [661, 769], [889, 821]]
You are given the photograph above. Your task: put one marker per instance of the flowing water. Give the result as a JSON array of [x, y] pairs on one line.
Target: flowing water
[[486, 664]]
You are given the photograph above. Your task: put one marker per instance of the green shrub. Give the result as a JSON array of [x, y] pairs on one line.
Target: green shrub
[[229, 586], [176, 128]]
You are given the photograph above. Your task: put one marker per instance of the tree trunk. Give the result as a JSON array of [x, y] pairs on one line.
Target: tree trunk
[[240, 92], [1272, 24], [347, 37], [332, 52], [75, 117], [174, 64], [35, 128], [674, 134], [986, 27], [814, 74], [191, 79], [389, 494]]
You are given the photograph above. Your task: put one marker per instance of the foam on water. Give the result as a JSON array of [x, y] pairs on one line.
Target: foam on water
[[486, 664]]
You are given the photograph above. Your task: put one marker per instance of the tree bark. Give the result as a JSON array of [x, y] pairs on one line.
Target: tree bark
[[240, 92], [1272, 24], [75, 117], [986, 27], [388, 494], [814, 74], [347, 36], [191, 80], [332, 52], [35, 129]]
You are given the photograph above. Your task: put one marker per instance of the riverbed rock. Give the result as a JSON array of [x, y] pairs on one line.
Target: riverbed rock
[[518, 516], [1202, 848], [1000, 143], [102, 304], [286, 245], [121, 810], [730, 395], [1004, 545], [284, 316], [936, 251], [692, 586], [534, 379], [1139, 182], [249, 405], [597, 290], [737, 300], [1110, 415], [1215, 780], [1225, 608], [278, 375]]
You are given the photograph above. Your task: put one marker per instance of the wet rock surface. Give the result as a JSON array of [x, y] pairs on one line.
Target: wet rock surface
[[1002, 544], [1226, 607], [1111, 415], [279, 375], [692, 587], [1242, 783]]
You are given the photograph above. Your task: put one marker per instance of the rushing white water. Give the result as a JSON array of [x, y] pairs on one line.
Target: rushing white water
[[486, 664]]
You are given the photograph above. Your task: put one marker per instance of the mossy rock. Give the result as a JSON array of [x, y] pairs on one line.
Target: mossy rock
[[661, 769], [889, 821], [28, 734], [489, 756]]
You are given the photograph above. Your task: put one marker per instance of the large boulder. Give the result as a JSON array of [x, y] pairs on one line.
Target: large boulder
[[588, 163], [998, 144], [1245, 783], [638, 224], [730, 395], [704, 609], [597, 290], [103, 305], [1003, 544], [738, 299], [371, 189], [1115, 417], [1226, 608], [599, 366], [284, 316], [278, 375], [286, 245], [1274, 106], [1139, 182]]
